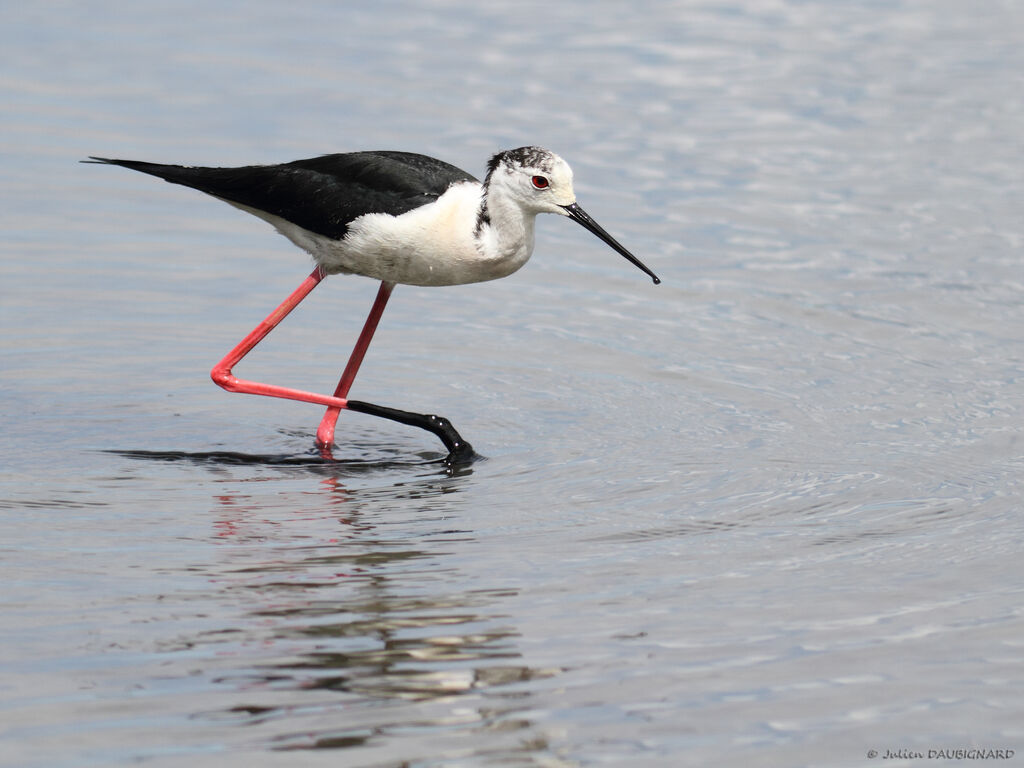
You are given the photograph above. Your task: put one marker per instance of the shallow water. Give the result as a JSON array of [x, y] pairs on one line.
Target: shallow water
[[767, 513]]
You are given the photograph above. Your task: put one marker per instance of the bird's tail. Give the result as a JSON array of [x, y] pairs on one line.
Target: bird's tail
[[176, 174]]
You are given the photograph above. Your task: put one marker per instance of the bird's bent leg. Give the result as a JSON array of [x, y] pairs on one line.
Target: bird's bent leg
[[325, 432], [221, 373], [459, 449]]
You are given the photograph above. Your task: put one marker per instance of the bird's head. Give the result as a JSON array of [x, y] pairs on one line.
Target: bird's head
[[539, 181]]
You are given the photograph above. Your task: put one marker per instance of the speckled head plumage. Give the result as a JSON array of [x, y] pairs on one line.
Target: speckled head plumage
[[536, 178], [523, 157]]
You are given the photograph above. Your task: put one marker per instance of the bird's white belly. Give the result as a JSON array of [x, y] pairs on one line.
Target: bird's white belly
[[431, 245], [435, 244]]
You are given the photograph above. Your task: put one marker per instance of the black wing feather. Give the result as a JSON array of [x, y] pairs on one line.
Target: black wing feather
[[321, 194]]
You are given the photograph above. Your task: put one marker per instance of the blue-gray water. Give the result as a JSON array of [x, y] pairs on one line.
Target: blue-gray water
[[767, 513]]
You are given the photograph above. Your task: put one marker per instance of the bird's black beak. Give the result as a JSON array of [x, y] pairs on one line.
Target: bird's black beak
[[582, 218]]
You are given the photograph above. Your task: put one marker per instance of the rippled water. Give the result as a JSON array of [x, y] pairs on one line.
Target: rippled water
[[767, 513]]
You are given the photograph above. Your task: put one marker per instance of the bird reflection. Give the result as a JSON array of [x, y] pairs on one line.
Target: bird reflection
[[349, 627]]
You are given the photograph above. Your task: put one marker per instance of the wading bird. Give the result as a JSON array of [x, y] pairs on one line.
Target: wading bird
[[397, 217]]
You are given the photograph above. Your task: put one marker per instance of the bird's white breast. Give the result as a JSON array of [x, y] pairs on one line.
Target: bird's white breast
[[435, 244]]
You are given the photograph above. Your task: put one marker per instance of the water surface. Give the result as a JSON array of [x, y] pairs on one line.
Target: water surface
[[767, 513]]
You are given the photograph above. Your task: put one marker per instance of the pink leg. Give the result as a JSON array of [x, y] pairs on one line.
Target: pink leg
[[325, 433], [459, 451], [221, 373]]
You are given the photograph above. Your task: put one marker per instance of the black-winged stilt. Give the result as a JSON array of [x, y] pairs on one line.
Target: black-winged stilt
[[397, 217]]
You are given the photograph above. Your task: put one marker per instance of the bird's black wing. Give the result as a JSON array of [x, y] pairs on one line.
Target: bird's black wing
[[321, 194]]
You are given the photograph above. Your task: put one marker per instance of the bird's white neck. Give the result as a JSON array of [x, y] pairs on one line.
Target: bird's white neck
[[504, 231]]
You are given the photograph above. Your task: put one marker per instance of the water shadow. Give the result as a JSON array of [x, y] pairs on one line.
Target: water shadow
[[318, 461]]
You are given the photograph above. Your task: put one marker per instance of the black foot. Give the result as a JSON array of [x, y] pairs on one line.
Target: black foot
[[460, 452]]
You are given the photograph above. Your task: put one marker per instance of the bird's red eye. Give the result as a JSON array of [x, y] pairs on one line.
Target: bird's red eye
[[540, 182]]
